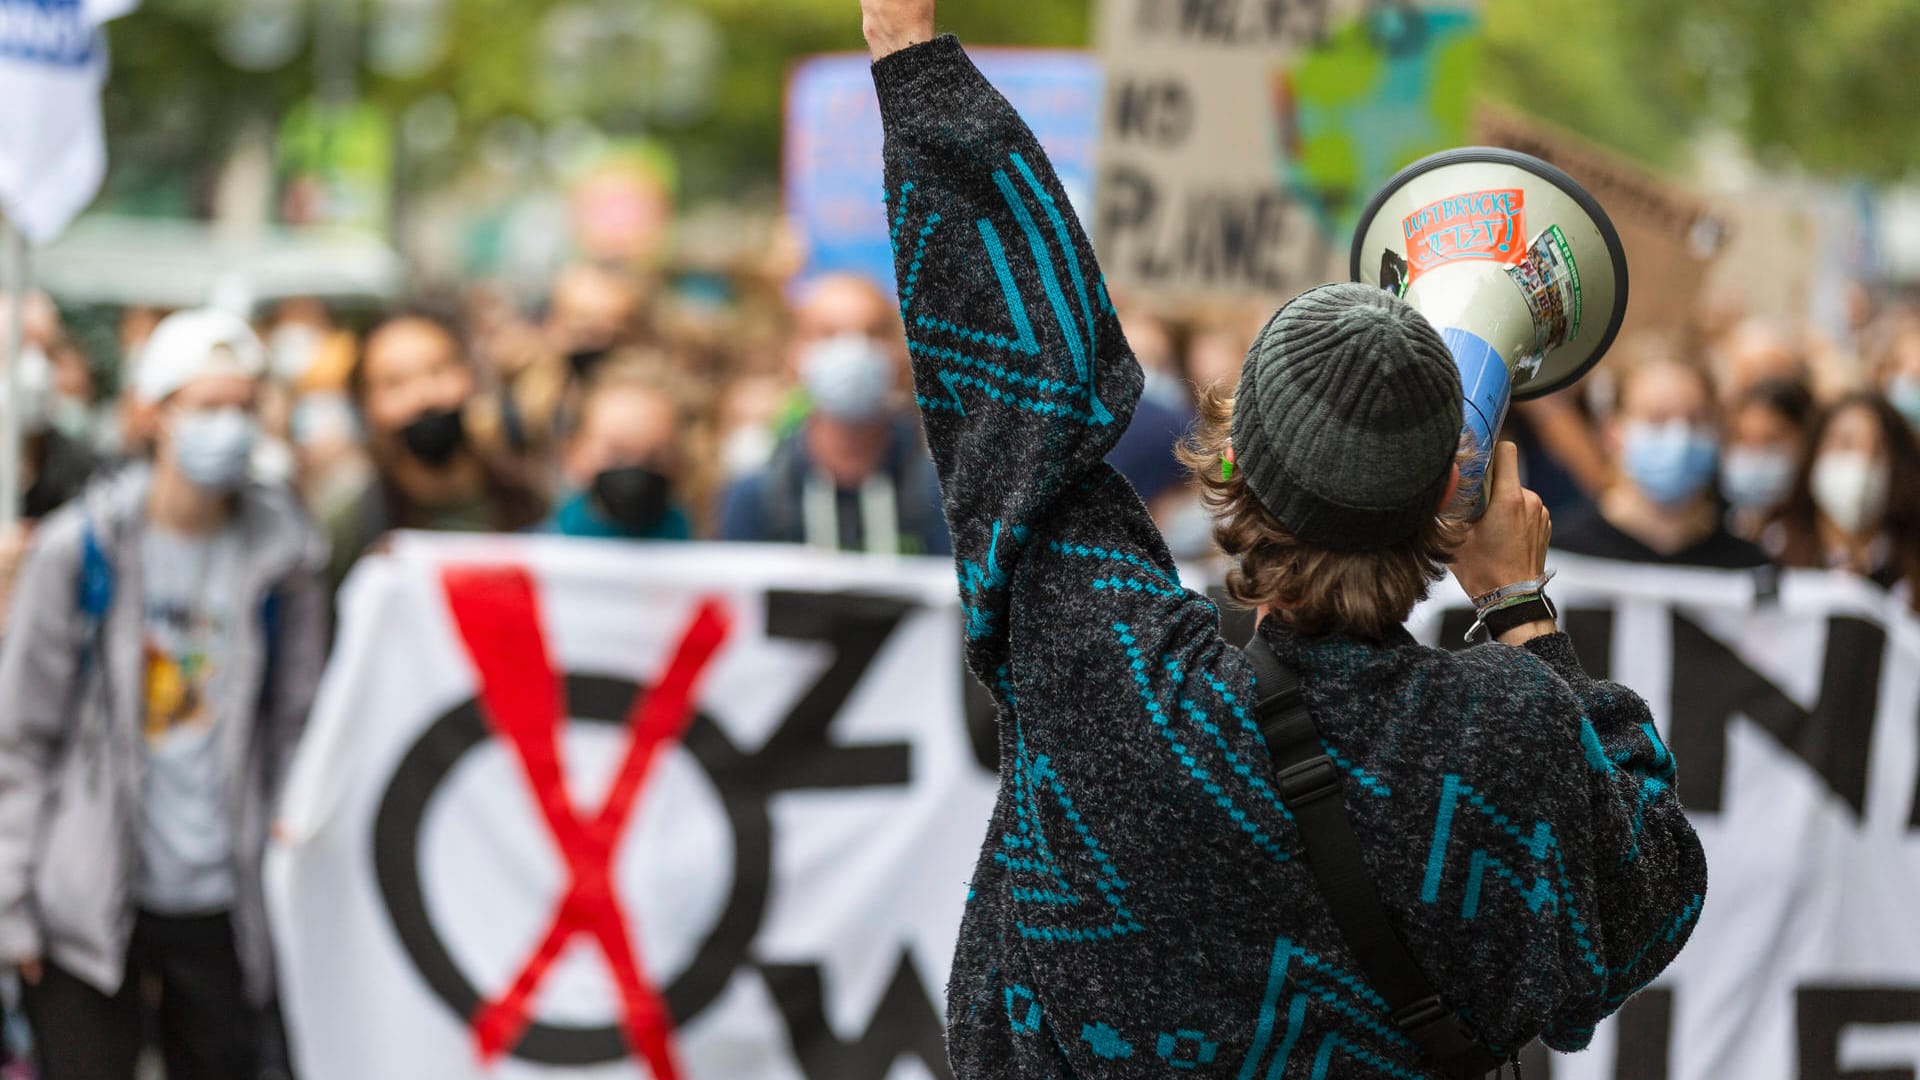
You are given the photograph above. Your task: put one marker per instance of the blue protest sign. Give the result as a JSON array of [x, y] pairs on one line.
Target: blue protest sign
[[832, 152]]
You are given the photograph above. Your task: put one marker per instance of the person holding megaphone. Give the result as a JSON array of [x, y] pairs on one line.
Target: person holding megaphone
[[1336, 853]]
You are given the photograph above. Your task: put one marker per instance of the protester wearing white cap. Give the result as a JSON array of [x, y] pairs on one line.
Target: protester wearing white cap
[[190, 344], [201, 369], [167, 637]]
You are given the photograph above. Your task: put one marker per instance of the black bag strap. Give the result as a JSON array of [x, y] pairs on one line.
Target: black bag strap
[[1309, 786]]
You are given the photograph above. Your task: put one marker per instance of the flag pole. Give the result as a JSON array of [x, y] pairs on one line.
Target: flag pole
[[13, 282]]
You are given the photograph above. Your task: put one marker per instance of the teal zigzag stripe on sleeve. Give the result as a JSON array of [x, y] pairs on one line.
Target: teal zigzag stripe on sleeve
[[1050, 905], [1065, 239]]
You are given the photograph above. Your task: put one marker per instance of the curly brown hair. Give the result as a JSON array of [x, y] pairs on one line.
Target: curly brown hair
[[1312, 589]]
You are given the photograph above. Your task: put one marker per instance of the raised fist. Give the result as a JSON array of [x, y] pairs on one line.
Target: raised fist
[[892, 25]]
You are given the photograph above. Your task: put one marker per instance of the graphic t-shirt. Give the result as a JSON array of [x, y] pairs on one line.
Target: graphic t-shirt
[[188, 605]]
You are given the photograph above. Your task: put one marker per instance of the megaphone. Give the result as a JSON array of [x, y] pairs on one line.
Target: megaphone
[[1512, 261]]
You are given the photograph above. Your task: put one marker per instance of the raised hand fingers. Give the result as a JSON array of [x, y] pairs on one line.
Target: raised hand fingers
[[1503, 471]]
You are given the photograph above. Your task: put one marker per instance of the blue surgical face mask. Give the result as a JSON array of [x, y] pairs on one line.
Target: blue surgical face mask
[[1169, 390], [848, 378], [1903, 392], [214, 448], [1671, 462], [1757, 477]]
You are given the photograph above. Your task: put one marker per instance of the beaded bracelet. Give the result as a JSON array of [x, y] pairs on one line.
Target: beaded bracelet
[[1508, 608], [1518, 588], [1527, 609]]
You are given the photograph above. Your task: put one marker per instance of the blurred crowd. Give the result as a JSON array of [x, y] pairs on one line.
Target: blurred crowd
[[1743, 442], [240, 466], [1740, 442], [615, 408], [726, 408]]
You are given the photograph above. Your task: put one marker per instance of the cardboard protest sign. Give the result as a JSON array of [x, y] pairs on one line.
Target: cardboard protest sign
[[1241, 138], [1671, 235]]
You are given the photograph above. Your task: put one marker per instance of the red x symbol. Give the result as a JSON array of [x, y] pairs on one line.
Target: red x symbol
[[496, 609]]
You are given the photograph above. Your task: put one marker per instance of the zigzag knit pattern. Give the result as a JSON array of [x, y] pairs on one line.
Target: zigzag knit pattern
[[1141, 907]]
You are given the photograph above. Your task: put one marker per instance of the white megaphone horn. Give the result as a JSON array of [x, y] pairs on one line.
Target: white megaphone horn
[[1512, 261]]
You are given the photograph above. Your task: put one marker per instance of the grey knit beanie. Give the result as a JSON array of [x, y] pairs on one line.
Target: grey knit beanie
[[1348, 417]]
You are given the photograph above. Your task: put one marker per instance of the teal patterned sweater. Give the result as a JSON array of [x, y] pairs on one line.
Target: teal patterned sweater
[[1141, 907]]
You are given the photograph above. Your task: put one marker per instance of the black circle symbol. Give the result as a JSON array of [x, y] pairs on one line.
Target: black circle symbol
[[596, 699]]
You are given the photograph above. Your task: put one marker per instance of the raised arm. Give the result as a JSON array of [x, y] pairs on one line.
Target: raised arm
[[1020, 369]]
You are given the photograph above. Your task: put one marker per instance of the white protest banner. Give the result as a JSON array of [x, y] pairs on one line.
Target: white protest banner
[[1242, 137], [757, 873], [53, 152], [753, 869], [1792, 717]]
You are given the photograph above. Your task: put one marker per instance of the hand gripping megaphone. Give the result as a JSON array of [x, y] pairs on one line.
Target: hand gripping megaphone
[[1512, 261]]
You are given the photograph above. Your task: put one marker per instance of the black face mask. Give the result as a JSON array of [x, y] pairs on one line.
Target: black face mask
[[584, 361], [635, 497], [434, 437]]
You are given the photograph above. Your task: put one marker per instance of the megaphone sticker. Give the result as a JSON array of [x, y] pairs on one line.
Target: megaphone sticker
[[1506, 247], [1483, 225], [1549, 279]]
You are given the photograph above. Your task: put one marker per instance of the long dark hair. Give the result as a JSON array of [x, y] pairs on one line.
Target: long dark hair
[[1799, 516], [512, 489]]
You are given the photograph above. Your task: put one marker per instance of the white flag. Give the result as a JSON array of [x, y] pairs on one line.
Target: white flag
[[53, 154]]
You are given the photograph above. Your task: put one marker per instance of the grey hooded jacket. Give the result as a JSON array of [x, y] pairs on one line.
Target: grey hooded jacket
[[71, 756]]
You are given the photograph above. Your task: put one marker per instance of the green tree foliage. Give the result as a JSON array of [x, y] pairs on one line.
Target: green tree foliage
[[176, 102], [173, 104], [1827, 85]]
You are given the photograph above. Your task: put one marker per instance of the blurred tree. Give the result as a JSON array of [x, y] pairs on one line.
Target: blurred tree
[[174, 104], [1823, 84], [177, 100], [1835, 84]]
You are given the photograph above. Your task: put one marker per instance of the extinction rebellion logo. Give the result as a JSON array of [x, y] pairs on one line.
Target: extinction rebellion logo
[[525, 705]]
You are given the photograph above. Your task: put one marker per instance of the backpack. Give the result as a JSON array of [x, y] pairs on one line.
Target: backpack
[[94, 598]]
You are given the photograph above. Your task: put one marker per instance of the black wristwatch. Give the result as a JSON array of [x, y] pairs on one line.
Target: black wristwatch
[[1505, 619]]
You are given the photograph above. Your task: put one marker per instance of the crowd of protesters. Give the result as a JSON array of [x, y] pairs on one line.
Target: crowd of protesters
[[619, 407], [1755, 448], [167, 592]]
